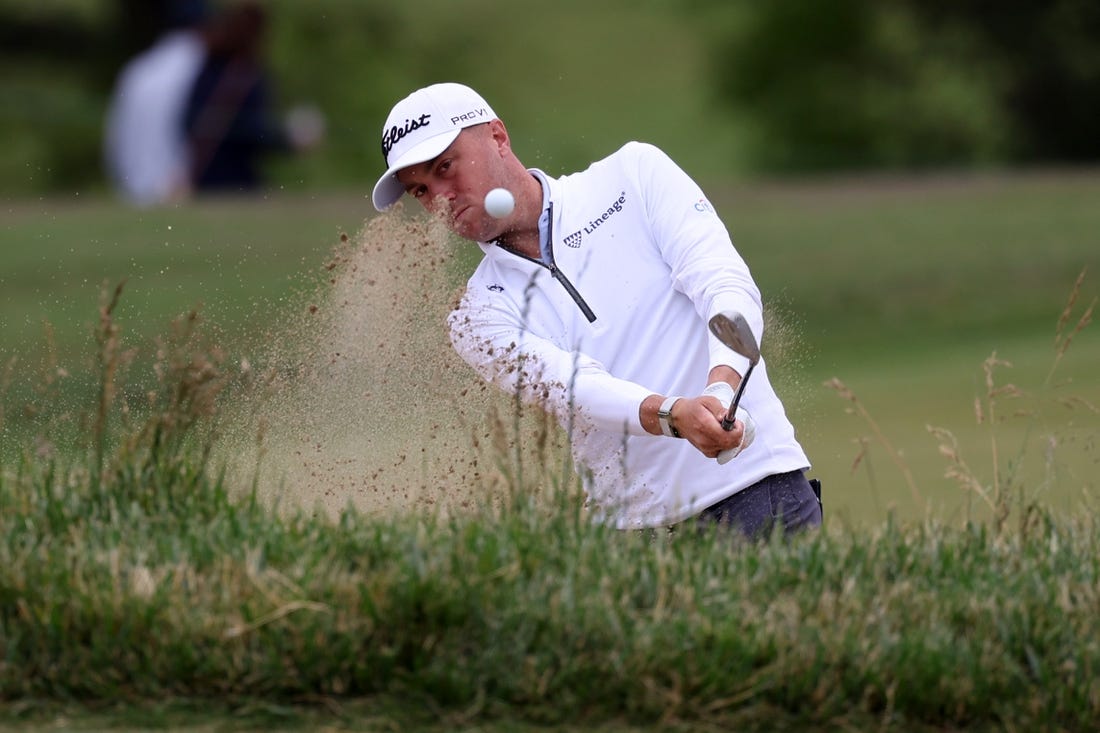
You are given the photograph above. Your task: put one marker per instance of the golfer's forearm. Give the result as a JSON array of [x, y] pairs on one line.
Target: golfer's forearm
[[725, 374], [647, 414]]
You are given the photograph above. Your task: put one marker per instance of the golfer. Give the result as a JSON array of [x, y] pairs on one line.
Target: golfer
[[592, 299]]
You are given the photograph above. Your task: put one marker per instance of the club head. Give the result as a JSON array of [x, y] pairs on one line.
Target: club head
[[733, 330]]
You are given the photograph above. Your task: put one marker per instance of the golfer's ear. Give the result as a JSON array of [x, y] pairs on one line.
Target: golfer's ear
[[499, 134]]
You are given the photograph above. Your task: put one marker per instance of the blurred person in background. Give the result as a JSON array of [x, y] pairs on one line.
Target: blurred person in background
[[230, 121], [194, 112], [145, 152]]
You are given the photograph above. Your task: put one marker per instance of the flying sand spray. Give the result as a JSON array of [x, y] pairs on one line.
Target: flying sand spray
[[361, 367]]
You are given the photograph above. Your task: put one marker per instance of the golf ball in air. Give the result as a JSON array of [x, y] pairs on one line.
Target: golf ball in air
[[499, 202]]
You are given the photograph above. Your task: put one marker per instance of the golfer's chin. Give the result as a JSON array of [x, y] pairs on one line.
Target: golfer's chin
[[477, 229]]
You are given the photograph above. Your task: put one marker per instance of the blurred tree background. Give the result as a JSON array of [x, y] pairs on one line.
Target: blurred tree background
[[729, 87], [836, 84]]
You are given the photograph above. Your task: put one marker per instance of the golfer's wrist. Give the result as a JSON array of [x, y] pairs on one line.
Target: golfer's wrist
[[664, 417], [721, 391], [648, 414]]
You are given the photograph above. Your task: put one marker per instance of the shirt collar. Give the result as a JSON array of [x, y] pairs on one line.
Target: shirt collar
[[544, 217], [544, 225]]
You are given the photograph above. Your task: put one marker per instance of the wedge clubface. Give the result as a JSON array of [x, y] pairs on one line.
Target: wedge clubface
[[733, 330]]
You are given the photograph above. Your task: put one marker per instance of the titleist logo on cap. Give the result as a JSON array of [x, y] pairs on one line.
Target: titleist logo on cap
[[393, 135], [396, 133]]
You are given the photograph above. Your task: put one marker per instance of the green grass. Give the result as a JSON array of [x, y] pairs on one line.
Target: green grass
[[157, 584], [908, 264], [237, 259], [867, 268]]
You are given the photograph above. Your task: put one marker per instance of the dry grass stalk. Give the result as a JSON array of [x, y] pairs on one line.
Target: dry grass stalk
[[1075, 402], [840, 388], [109, 359], [986, 409], [862, 442], [957, 468], [1062, 343], [991, 393], [5, 384], [1063, 319]]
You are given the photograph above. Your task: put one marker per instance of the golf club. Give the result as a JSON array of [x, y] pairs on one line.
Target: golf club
[[733, 330]]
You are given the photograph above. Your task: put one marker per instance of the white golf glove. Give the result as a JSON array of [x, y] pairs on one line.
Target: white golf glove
[[724, 393]]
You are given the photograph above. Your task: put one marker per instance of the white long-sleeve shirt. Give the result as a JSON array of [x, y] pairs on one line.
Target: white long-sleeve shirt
[[636, 263]]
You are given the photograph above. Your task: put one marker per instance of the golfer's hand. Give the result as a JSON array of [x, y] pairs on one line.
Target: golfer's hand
[[699, 421], [725, 395]]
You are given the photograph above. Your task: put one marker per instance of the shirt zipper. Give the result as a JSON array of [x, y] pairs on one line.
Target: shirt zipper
[[556, 273]]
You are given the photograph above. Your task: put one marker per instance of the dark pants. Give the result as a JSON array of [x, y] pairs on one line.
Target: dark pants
[[787, 500]]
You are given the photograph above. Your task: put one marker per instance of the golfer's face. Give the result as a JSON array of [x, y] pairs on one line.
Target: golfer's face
[[453, 185]]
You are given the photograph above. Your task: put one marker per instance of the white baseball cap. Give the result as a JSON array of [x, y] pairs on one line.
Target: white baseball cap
[[420, 127]]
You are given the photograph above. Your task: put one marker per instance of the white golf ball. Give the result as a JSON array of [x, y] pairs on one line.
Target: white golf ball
[[499, 202]]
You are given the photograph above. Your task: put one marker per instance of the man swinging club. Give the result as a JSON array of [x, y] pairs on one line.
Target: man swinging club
[[593, 299]]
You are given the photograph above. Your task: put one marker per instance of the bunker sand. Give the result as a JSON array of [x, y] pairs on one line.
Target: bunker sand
[[357, 396]]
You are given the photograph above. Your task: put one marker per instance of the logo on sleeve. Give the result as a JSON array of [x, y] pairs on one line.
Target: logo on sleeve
[[496, 288]]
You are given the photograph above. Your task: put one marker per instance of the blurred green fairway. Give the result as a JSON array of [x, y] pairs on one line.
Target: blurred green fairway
[[900, 288]]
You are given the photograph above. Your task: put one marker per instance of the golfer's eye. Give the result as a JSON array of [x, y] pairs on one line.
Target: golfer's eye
[[418, 191], [444, 166]]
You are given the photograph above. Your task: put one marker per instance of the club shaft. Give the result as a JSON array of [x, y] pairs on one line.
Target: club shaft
[[731, 415]]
